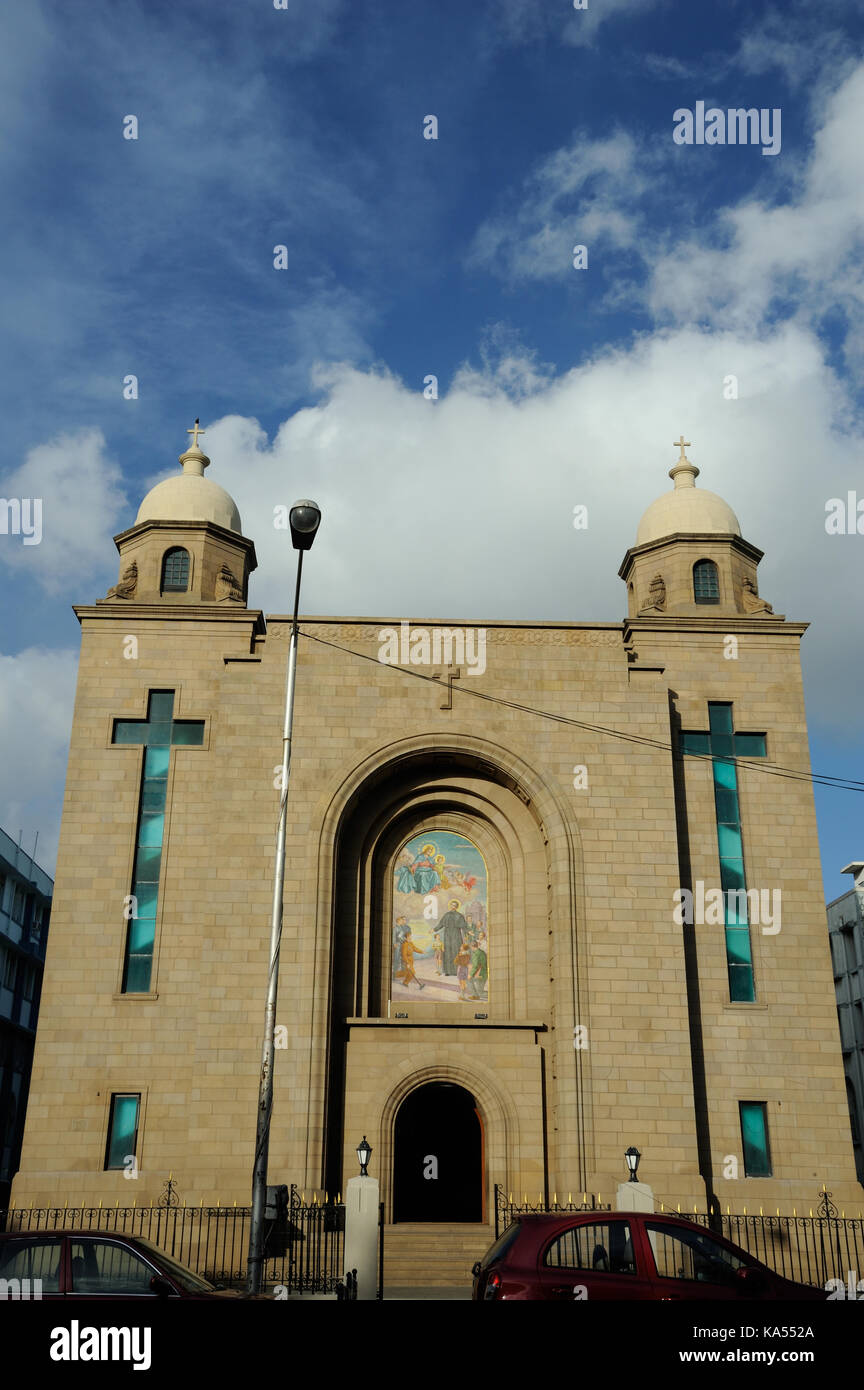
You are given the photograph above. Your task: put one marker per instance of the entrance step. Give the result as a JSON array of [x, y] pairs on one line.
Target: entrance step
[[433, 1253]]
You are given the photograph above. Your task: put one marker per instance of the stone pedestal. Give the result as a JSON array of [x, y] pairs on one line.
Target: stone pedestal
[[361, 1234], [634, 1196]]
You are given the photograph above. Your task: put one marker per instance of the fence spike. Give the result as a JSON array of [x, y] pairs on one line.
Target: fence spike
[[554, 1199], [679, 1208], [794, 1211], [760, 1211], [509, 1196]]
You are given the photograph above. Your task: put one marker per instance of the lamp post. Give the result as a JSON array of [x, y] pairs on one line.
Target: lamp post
[[304, 520], [364, 1153], [633, 1156]]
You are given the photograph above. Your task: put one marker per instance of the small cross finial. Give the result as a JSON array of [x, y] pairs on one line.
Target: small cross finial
[[195, 433], [683, 444]]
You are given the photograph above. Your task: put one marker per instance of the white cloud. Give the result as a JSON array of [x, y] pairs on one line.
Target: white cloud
[[81, 502], [463, 507], [585, 193], [37, 693], [809, 246]]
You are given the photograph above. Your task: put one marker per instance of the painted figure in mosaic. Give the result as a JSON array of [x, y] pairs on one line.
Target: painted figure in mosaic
[[453, 931], [409, 951], [420, 877]]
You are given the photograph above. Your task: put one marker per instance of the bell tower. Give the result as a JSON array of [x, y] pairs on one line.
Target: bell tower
[[690, 559], [186, 546]]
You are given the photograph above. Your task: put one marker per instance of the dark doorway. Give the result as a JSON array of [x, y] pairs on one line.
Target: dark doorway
[[438, 1156]]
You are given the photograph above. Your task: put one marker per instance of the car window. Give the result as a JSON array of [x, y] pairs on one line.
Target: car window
[[180, 1273], [31, 1259], [682, 1254], [501, 1246], [102, 1267], [606, 1247]]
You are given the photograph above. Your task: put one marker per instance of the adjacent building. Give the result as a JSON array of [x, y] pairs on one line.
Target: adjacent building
[[846, 930], [25, 906]]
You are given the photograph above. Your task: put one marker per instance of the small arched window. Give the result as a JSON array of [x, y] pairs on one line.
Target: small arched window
[[175, 571], [706, 582]]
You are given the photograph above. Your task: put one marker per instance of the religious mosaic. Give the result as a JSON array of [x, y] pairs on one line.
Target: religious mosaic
[[440, 921]]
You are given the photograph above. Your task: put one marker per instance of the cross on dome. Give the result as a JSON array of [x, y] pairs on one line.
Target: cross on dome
[[195, 432], [682, 443]]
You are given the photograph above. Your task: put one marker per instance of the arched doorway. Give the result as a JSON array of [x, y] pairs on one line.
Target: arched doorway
[[438, 1156]]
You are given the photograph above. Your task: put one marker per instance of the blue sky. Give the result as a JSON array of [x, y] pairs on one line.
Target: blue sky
[[303, 127]]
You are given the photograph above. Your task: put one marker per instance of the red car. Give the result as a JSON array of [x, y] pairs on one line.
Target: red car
[[623, 1255], [100, 1265]]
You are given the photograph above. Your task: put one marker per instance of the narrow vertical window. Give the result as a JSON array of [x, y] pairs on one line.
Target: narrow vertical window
[[122, 1130], [706, 582], [157, 732], [175, 570], [754, 1139], [724, 745]]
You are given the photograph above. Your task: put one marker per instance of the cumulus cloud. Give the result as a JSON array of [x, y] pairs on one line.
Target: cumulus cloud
[[462, 507], [37, 693], [81, 501], [758, 255]]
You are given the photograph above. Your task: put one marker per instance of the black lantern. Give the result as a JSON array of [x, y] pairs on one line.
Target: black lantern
[[632, 1156], [304, 519], [364, 1153]]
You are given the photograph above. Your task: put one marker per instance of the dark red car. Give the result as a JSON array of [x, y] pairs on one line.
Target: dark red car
[[623, 1255], [95, 1265]]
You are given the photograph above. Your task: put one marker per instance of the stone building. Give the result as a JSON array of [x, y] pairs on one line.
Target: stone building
[[25, 907], [846, 934], [566, 785]]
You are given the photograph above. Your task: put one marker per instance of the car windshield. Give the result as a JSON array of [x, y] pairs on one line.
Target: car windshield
[[181, 1274]]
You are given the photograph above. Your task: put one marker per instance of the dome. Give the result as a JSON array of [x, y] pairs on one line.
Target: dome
[[191, 496], [686, 508]]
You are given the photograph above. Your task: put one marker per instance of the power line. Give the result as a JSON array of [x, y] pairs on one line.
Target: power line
[[772, 769]]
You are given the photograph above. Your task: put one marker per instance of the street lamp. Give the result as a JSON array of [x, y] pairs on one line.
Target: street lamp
[[304, 520], [364, 1153], [633, 1156]]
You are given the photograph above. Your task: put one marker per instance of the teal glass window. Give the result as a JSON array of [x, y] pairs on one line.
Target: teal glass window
[[706, 582], [157, 732], [122, 1130], [175, 570], [723, 745], [754, 1139]]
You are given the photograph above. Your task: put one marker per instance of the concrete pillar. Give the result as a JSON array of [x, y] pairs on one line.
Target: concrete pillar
[[361, 1234], [634, 1196]]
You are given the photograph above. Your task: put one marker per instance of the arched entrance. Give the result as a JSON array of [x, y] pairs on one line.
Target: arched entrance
[[438, 1156]]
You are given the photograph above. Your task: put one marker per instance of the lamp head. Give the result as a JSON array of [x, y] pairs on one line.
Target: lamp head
[[304, 520]]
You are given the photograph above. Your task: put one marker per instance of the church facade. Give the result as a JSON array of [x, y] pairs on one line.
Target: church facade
[[542, 900]]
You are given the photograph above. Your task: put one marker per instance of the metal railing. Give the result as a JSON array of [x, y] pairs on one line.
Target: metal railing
[[506, 1209], [303, 1254]]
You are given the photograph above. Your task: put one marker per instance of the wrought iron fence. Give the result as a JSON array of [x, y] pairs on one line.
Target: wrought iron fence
[[810, 1249], [303, 1254], [506, 1209]]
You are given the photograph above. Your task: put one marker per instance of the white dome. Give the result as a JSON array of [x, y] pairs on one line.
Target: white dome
[[686, 508], [191, 497]]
